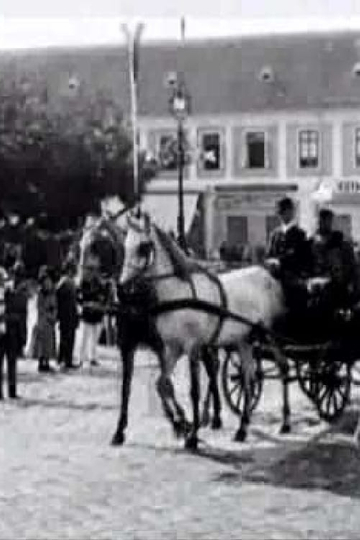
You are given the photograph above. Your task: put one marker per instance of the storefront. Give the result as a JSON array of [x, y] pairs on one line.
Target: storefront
[[343, 197], [246, 215]]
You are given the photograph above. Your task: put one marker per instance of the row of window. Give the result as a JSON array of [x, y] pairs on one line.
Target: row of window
[[256, 154]]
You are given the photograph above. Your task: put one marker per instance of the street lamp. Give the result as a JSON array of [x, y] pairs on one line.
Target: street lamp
[[179, 107]]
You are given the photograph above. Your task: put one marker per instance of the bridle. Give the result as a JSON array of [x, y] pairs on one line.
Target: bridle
[[147, 252]]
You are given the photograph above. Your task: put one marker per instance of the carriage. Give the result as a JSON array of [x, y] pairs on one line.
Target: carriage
[[321, 362]]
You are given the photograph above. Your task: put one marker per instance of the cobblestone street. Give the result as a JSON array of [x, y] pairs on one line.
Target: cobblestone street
[[60, 478]]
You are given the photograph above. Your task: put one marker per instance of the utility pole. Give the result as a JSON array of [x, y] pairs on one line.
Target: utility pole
[[133, 44]]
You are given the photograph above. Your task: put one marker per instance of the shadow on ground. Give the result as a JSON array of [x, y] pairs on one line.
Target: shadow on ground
[[329, 462], [56, 403]]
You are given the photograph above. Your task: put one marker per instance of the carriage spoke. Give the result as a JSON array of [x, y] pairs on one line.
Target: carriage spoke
[[235, 387], [322, 393], [239, 399], [334, 394], [331, 402], [233, 382]]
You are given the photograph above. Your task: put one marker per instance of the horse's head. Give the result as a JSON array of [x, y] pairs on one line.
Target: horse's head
[[104, 241], [138, 246]]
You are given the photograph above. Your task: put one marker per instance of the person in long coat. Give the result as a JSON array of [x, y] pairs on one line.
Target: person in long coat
[[45, 342], [288, 245], [333, 257], [16, 301], [67, 314], [288, 255], [94, 295]]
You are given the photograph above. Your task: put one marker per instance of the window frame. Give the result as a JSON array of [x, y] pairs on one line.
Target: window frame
[[160, 136], [356, 147], [203, 132], [245, 150], [308, 130]]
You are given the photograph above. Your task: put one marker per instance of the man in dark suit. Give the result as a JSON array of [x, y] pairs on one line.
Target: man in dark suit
[[67, 315], [288, 253], [333, 257]]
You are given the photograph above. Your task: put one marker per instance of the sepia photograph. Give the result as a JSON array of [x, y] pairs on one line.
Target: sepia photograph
[[180, 270]]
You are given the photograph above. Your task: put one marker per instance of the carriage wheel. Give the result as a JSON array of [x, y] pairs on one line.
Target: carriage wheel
[[333, 388], [307, 376], [233, 382]]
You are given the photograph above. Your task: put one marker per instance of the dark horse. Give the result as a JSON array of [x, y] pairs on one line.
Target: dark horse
[[135, 328]]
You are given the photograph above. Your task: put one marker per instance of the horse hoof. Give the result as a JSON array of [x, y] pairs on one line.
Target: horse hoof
[[178, 431], [240, 435], [191, 443], [118, 439], [186, 427], [182, 428], [285, 429], [216, 423]]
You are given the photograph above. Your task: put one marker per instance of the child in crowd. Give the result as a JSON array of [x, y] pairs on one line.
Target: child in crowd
[[93, 297], [45, 342]]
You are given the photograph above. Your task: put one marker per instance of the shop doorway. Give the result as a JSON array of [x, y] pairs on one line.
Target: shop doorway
[[342, 222], [237, 230]]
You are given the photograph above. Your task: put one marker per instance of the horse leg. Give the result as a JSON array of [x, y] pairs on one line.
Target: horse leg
[[357, 433], [245, 351], [205, 415], [127, 355], [283, 365], [165, 388], [192, 440], [286, 425], [211, 364]]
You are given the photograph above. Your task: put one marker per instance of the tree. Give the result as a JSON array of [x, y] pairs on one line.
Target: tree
[[62, 161]]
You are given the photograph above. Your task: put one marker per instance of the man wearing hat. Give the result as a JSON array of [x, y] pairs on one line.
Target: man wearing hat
[[288, 253], [333, 257]]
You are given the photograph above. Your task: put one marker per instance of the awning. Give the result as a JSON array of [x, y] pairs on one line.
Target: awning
[[164, 209]]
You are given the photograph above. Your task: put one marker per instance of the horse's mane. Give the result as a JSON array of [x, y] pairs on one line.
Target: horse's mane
[[183, 265]]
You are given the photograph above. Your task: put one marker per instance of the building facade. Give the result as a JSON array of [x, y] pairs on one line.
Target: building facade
[[270, 116], [244, 163]]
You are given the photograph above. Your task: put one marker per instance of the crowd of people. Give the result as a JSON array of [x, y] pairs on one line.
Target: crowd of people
[[61, 302]]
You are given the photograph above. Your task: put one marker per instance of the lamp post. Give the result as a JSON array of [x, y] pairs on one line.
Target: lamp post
[[179, 106]]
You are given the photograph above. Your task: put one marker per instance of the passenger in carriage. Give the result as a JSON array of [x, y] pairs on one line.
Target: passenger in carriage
[[288, 257], [333, 258]]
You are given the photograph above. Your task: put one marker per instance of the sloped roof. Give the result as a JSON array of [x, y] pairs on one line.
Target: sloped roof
[[222, 76]]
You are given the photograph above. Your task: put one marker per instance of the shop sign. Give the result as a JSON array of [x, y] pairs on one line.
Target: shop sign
[[348, 186], [230, 202]]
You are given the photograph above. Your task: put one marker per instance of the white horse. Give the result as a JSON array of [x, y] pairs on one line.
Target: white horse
[[251, 292], [133, 330]]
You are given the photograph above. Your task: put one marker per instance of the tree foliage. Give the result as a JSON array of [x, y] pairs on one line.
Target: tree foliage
[[62, 160]]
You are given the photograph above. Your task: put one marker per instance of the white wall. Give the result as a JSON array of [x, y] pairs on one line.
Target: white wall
[[306, 183]]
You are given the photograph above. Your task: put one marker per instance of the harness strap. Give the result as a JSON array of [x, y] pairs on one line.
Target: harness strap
[[223, 305], [223, 313]]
